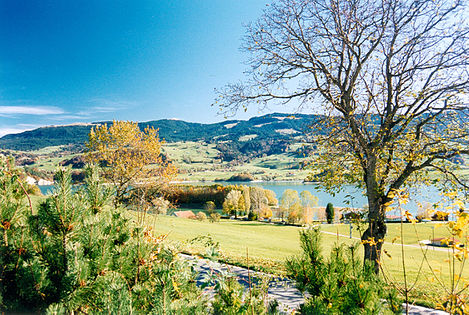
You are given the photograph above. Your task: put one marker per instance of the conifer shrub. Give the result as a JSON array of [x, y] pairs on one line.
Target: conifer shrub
[[330, 213], [231, 297], [79, 254], [340, 284]]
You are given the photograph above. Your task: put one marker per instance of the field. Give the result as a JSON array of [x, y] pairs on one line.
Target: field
[[197, 161], [268, 246]]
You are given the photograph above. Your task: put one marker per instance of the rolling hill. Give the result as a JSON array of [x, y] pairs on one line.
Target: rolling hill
[[276, 126]]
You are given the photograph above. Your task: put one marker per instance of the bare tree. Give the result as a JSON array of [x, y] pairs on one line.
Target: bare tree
[[389, 78]]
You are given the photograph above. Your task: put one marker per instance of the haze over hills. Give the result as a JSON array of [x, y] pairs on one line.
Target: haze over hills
[[276, 126]]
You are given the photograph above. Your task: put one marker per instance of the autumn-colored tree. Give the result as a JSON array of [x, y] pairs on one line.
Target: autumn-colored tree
[[131, 159], [308, 201], [241, 204], [258, 198], [265, 212], [289, 202], [271, 198], [295, 213], [228, 207], [388, 76], [247, 198], [231, 203]]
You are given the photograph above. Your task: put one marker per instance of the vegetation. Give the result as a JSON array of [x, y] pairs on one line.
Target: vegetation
[[330, 213], [297, 208], [233, 237], [205, 164], [46, 137], [340, 284], [130, 159], [246, 177], [267, 128], [231, 205], [196, 196], [252, 216], [78, 254], [209, 207], [270, 245], [390, 84], [232, 298]]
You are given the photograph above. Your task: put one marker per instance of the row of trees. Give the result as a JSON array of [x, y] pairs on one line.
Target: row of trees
[[292, 207], [296, 207], [245, 200]]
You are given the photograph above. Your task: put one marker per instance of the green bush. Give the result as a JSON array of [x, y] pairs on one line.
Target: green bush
[[252, 216], [214, 217], [209, 206], [340, 284]]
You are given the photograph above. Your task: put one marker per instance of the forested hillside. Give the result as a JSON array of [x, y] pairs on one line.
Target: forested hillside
[[272, 126]]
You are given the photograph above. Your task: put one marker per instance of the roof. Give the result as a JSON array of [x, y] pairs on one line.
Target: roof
[[188, 214]]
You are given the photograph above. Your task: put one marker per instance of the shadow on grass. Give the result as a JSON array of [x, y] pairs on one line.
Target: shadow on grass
[[247, 223]]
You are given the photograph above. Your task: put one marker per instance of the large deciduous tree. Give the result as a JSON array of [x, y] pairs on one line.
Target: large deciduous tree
[[389, 78]]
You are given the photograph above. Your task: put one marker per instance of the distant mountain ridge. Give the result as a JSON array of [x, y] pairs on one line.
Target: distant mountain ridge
[[276, 126]]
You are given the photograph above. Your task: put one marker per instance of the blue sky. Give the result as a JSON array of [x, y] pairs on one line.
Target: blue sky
[[65, 62]]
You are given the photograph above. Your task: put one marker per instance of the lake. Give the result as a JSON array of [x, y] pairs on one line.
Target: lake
[[349, 197]]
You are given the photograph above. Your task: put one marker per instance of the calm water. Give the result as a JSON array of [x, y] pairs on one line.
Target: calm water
[[349, 197], [46, 189]]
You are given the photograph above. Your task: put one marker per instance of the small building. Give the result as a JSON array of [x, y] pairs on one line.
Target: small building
[[188, 214]]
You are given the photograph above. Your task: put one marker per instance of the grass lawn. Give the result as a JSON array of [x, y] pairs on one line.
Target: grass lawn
[[269, 245]]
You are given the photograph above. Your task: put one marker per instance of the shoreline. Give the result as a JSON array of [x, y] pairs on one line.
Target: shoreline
[[282, 181]]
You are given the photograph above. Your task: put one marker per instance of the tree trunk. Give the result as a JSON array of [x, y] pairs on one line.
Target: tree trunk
[[373, 237], [372, 240]]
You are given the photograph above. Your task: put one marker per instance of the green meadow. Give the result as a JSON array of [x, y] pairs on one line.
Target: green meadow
[[267, 246]]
